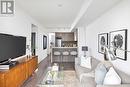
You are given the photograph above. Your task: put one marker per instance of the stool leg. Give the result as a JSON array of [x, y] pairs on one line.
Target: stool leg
[[60, 60], [61, 63]]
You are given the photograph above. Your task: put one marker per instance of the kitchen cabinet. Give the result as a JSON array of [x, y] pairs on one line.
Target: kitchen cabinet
[[67, 36]]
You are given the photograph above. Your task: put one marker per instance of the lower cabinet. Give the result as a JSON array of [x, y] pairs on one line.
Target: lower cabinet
[[32, 65], [16, 76]]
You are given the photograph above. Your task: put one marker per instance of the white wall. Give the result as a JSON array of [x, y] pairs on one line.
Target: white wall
[[115, 19], [81, 40], [41, 53], [20, 24]]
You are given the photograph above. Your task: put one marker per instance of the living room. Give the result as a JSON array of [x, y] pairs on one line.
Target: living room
[[91, 20]]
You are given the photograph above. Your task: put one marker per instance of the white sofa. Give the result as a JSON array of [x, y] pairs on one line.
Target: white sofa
[[87, 78]]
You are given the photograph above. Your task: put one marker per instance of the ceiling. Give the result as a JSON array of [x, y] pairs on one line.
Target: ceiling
[[52, 13], [95, 10], [62, 13]]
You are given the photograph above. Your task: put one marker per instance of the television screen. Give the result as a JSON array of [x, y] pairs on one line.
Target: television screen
[[11, 46], [44, 42], [5, 43], [19, 46]]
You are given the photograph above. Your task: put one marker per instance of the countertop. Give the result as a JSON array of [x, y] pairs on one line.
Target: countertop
[[63, 47]]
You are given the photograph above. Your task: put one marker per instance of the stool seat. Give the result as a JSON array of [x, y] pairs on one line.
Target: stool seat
[[73, 53], [57, 53], [65, 53]]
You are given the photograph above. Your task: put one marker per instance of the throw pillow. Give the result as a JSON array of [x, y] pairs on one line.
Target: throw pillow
[[100, 73], [112, 78], [85, 62]]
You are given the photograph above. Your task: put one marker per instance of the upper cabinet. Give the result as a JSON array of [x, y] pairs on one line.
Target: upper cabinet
[[67, 36]]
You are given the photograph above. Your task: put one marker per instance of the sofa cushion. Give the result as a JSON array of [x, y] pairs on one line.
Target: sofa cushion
[[122, 85], [125, 79], [112, 78], [100, 73], [107, 64], [80, 70], [95, 62], [90, 74]]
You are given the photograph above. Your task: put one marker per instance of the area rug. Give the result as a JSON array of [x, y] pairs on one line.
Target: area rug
[[70, 79]]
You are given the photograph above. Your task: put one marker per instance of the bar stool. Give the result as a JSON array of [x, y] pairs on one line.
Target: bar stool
[[57, 53], [64, 53], [74, 54]]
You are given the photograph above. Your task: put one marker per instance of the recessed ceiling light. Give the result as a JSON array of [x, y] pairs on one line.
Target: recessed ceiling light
[[60, 5]]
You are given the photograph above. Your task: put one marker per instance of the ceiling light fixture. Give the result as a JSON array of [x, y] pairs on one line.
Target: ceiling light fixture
[[60, 5]]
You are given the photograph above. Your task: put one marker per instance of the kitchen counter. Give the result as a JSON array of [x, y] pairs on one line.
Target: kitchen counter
[[63, 47], [68, 58]]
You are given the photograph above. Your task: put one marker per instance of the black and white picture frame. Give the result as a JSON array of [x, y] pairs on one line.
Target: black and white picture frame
[[118, 43], [44, 42], [102, 41]]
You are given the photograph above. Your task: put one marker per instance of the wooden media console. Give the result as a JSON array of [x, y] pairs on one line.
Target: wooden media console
[[18, 74]]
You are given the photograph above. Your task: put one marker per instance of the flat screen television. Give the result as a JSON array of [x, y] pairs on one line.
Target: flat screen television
[[11, 47], [44, 42]]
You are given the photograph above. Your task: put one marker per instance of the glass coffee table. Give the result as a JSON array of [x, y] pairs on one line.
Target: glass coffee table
[[52, 79]]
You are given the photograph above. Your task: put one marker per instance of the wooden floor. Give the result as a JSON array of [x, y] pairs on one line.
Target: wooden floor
[[67, 65], [37, 76]]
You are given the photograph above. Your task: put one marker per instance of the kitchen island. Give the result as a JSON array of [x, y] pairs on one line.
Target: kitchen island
[[63, 49], [68, 57]]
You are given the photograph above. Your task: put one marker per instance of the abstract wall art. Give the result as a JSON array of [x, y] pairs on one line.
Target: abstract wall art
[[118, 43], [102, 41]]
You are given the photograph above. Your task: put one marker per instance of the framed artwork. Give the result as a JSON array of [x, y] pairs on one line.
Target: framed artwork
[[102, 40], [44, 42], [118, 43]]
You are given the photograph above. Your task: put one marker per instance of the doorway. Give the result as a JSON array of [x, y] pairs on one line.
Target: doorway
[[34, 33]]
